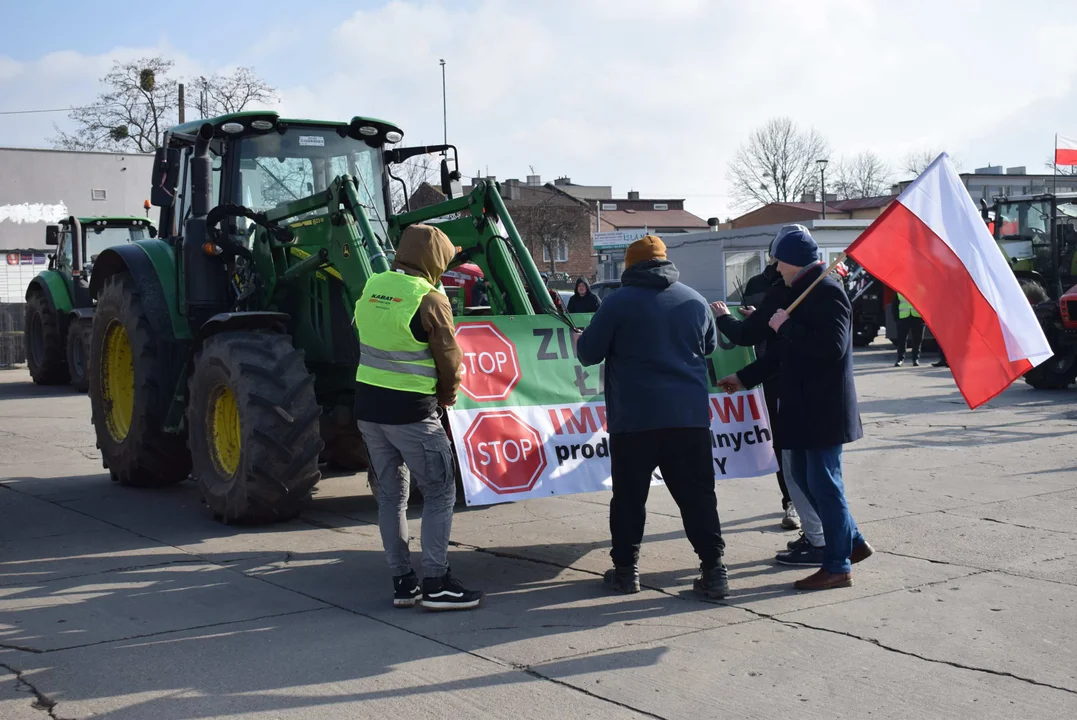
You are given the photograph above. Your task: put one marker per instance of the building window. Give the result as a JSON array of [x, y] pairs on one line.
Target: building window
[[560, 254], [98, 194], [740, 265], [609, 206], [661, 206]]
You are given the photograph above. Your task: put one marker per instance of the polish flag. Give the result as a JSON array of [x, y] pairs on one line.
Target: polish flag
[[932, 246], [1065, 150]]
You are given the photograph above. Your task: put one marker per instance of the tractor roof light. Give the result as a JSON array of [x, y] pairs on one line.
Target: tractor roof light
[[394, 136], [262, 124], [368, 130], [232, 128]]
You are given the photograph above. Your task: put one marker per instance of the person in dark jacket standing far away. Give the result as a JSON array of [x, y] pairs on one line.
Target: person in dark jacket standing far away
[[583, 300], [409, 365], [817, 409], [654, 334]]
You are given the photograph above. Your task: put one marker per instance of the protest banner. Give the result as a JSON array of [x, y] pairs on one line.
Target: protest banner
[[530, 420]]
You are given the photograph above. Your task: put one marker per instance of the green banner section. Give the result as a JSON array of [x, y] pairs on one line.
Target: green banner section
[[500, 351]]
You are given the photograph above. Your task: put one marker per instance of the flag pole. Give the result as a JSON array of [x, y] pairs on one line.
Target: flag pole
[[1054, 164], [839, 259]]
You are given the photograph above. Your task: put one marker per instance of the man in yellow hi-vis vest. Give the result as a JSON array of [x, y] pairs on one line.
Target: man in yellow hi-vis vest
[[409, 368], [909, 323]]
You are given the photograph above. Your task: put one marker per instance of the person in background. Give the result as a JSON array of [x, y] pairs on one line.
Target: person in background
[[812, 359], [766, 290], [583, 300], [478, 294], [409, 368], [655, 335], [909, 322]]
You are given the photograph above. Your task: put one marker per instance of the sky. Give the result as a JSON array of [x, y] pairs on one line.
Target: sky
[[653, 96]]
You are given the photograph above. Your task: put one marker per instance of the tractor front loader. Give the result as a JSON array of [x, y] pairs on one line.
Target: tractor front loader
[[225, 349]]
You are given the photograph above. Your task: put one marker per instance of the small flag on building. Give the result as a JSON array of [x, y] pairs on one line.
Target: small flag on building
[[932, 246], [1065, 150]]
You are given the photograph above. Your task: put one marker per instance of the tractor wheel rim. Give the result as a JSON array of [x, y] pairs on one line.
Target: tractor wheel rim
[[37, 339], [117, 381], [223, 431]]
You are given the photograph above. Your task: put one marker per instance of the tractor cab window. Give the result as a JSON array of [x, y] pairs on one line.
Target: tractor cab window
[[1023, 230], [65, 253], [100, 237], [280, 168]]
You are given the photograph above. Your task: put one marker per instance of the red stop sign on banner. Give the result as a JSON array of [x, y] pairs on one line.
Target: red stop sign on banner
[[504, 452], [490, 368]]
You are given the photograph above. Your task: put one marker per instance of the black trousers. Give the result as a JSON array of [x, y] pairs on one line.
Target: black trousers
[[910, 326], [684, 457]]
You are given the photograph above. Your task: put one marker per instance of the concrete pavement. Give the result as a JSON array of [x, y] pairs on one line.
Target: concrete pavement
[[125, 603]]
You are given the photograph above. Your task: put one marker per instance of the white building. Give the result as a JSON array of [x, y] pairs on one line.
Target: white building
[[718, 264], [40, 187]]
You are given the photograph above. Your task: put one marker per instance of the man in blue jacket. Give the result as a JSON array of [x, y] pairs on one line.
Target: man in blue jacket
[[812, 359], [654, 334]]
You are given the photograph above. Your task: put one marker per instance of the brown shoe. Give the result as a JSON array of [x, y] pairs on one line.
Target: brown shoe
[[823, 580], [861, 552]]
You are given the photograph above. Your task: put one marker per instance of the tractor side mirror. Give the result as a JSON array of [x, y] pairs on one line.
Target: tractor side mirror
[[52, 234], [450, 180], [152, 231], [166, 169]]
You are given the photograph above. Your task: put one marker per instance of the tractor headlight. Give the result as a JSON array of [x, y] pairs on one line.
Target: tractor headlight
[[262, 125], [393, 136], [232, 128], [368, 130]]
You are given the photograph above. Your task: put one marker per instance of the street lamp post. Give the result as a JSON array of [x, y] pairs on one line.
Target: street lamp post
[[444, 111], [822, 181]]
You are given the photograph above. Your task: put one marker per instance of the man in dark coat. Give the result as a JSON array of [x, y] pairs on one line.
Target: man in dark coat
[[813, 362], [583, 300], [655, 335]]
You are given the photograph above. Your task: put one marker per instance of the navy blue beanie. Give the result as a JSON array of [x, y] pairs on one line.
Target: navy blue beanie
[[797, 248]]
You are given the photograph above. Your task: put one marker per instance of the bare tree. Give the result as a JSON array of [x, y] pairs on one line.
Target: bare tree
[[137, 106], [414, 172], [777, 164], [917, 161], [1060, 169], [863, 176], [224, 94], [551, 225]]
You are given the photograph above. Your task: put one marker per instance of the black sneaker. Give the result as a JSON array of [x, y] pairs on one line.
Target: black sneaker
[[623, 579], [806, 556], [712, 582], [446, 593], [800, 542], [940, 363], [406, 590], [916, 363]]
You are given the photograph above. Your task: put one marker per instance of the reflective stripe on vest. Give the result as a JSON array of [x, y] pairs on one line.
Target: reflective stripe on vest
[[389, 354], [905, 309]]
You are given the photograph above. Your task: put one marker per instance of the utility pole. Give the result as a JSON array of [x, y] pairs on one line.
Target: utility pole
[[822, 181], [182, 106], [444, 110], [202, 99]]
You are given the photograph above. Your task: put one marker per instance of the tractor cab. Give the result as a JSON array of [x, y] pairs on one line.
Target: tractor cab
[[1038, 235], [79, 241]]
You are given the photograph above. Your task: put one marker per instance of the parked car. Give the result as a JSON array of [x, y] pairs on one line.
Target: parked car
[[604, 288]]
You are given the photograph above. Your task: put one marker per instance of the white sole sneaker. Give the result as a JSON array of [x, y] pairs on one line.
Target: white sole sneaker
[[405, 602], [443, 605]]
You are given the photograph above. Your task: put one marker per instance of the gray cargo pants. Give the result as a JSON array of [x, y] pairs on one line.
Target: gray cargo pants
[[423, 449]]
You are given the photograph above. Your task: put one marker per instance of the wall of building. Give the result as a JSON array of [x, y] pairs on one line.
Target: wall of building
[[773, 214], [38, 187], [702, 258]]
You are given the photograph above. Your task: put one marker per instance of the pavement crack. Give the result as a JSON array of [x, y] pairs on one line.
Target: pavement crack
[[624, 706], [1025, 527], [129, 568], [925, 658], [41, 701]]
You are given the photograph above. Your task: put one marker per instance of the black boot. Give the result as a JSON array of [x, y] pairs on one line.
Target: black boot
[[623, 579], [713, 582]]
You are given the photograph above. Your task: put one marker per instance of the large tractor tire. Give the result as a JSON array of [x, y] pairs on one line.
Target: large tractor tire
[[78, 354], [253, 427], [125, 376], [864, 335], [44, 345], [1056, 373]]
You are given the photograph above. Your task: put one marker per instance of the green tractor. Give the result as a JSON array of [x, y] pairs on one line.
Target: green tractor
[[59, 308], [225, 348], [1038, 235]]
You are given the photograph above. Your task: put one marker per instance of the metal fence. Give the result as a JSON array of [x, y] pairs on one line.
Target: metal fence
[[12, 343]]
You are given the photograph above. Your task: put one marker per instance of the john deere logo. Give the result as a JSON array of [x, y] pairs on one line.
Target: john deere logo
[[347, 251]]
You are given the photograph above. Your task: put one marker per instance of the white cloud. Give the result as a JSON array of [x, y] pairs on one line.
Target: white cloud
[[656, 96]]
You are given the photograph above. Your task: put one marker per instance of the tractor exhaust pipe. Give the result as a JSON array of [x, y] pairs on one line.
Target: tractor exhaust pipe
[[205, 277]]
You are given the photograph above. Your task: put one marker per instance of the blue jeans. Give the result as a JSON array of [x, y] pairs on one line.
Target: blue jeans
[[817, 472]]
